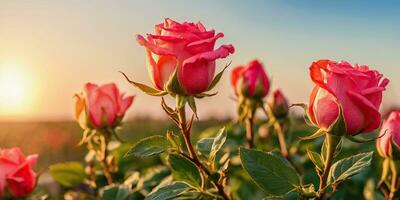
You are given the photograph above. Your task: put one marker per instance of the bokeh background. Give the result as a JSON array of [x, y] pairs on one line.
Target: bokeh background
[[49, 49]]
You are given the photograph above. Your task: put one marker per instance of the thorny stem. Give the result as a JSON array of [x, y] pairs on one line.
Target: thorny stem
[[249, 121], [331, 143], [192, 153]]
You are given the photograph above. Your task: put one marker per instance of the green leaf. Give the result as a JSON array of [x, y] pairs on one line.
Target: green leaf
[[171, 191], [145, 88], [149, 146], [316, 159], [217, 78], [217, 144], [185, 170], [348, 167], [192, 105], [68, 174], [271, 172], [116, 192], [338, 149], [204, 146]]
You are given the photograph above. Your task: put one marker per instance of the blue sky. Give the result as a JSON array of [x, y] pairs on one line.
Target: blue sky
[[63, 44]]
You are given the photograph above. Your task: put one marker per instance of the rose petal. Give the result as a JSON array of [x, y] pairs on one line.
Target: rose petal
[[152, 47], [372, 118], [222, 52], [22, 180], [235, 75], [126, 103], [203, 45], [203, 66]]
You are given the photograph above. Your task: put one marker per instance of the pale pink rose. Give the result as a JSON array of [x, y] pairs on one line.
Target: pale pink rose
[[16, 172], [250, 81], [101, 106], [389, 133], [186, 47], [358, 90]]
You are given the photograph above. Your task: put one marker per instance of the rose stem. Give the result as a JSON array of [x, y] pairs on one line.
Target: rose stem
[[280, 133], [249, 121], [281, 138], [193, 156], [103, 161], [331, 143]]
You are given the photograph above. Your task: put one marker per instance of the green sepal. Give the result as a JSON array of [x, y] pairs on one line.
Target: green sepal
[[360, 139], [192, 104], [145, 88], [385, 170], [202, 95], [217, 77], [338, 128], [172, 86], [317, 134]]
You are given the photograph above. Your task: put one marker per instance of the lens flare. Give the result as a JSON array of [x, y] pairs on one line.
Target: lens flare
[[14, 89]]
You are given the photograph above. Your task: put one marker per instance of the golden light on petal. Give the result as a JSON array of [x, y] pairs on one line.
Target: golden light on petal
[[15, 90]]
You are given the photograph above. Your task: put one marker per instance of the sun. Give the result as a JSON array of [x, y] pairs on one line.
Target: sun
[[14, 89]]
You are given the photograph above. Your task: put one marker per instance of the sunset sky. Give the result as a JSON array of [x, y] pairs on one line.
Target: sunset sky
[[49, 49]]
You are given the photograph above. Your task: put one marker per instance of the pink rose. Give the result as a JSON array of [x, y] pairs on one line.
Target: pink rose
[[250, 81], [390, 132], [185, 47], [16, 172], [101, 106], [279, 105], [358, 90]]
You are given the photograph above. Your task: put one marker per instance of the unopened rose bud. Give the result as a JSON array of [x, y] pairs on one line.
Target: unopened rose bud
[[279, 105], [389, 135], [101, 106], [250, 81]]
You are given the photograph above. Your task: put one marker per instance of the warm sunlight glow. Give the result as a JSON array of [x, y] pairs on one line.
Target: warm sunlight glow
[[14, 89]]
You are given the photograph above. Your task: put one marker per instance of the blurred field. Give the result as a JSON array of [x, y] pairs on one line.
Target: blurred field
[[57, 141]]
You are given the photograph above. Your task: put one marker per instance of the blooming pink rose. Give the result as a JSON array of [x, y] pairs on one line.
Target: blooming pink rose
[[390, 132], [101, 106], [358, 90], [279, 105], [189, 47], [250, 81], [16, 172]]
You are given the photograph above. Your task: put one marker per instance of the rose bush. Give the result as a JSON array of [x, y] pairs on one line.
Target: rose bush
[[186, 48], [101, 106], [16, 172], [356, 90]]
